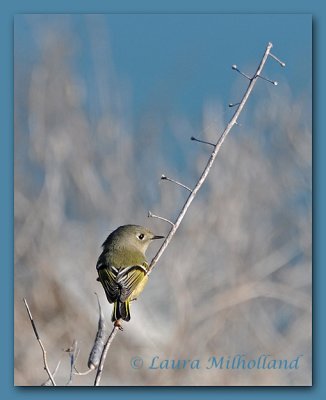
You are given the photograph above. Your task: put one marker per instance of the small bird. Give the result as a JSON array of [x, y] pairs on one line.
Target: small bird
[[122, 267]]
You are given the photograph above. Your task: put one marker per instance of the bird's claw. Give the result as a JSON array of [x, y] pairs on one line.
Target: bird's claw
[[117, 324]]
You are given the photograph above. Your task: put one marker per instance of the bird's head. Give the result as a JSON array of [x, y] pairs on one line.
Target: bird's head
[[132, 236]]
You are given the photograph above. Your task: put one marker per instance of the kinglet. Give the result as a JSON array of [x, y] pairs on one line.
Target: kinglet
[[122, 267]]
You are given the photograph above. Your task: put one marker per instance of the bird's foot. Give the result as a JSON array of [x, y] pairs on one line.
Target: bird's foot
[[117, 324]]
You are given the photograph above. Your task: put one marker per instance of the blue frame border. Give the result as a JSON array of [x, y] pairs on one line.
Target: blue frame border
[[318, 390]]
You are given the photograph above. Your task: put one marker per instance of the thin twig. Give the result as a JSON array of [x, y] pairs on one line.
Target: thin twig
[[282, 64], [48, 381], [73, 354], [151, 215], [209, 164], [235, 68], [202, 141], [46, 367], [103, 357], [268, 80], [76, 372], [166, 178]]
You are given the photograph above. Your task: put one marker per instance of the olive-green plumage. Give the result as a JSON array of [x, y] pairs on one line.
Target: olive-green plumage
[[122, 267]]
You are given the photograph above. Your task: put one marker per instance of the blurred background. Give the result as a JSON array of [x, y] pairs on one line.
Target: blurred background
[[104, 104]]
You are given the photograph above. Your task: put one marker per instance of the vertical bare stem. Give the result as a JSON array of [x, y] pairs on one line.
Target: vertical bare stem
[[103, 357], [46, 367]]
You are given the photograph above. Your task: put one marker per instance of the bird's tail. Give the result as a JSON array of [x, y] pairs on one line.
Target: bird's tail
[[121, 310]]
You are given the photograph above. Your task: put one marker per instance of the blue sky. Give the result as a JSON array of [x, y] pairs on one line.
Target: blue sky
[[181, 48], [184, 59]]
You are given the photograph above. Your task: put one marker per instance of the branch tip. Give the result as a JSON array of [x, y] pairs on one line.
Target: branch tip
[[202, 141], [166, 178], [151, 215], [282, 64], [267, 80], [235, 68]]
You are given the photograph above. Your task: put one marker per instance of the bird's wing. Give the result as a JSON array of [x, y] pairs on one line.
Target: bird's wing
[[108, 278], [129, 278]]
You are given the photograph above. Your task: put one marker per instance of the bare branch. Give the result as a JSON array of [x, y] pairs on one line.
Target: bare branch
[[235, 68], [104, 354], [100, 339], [277, 59], [46, 367], [73, 354], [192, 195], [151, 215], [76, 372], [98, 346], [202, 141], [268, 80], [211, 159], [166, 178], [48, 381]]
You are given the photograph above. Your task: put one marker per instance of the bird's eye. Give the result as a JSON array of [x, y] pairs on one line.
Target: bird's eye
[[141, 236]]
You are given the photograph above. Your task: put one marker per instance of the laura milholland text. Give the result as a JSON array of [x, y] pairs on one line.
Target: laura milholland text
[[237, 361]]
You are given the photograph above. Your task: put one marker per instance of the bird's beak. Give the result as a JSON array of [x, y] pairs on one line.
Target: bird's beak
[[158, 237]]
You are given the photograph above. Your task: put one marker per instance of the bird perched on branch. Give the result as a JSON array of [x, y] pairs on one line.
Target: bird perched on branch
[[122, 267]]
